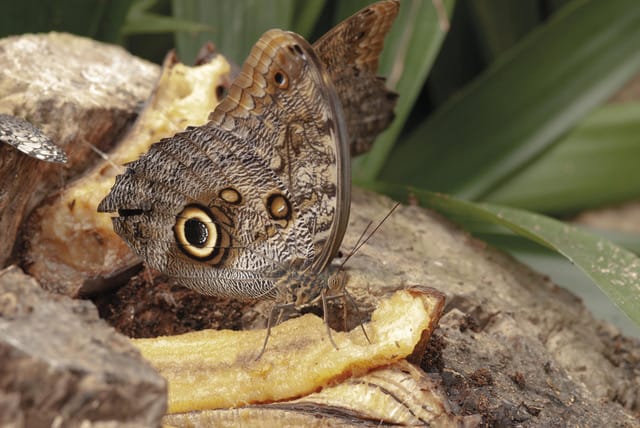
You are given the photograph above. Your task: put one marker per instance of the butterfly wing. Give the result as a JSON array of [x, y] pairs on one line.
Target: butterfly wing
[[304, 139], [29, 140], [350, 52], [231, 206]]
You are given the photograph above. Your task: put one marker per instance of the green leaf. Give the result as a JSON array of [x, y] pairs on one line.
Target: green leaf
[[501, 23], [100, 20], [615, 270], [305, 16], [597, 163], [524, 102], [410, 50], [630, 241], [142, 21], [236, 24]]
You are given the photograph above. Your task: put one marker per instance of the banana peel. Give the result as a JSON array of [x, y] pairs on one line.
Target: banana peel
[[396, 395], [214, 369]]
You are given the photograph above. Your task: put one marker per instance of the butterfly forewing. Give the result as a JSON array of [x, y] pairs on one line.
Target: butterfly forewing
[[255, 203], [285, 94], [229, 207]]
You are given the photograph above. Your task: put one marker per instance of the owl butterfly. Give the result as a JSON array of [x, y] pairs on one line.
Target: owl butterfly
[[254, 204]]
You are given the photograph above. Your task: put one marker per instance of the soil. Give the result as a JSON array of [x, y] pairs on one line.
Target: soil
[[152, 305]]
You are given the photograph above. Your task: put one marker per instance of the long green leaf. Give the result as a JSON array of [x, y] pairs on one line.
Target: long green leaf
[[100, 20], [615, 270], [597, 163], [410, 50], [521, 105], [500, 24], [630, 241], [305, 17]]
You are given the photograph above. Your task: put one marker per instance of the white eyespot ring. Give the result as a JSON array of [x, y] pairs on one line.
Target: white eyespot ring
[[197, 233]]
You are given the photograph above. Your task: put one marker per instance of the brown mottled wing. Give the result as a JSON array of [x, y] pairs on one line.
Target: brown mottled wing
[[260, 191], [350, 52], [304, 139]]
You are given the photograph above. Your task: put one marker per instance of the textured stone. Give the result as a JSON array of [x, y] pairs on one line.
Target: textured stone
[[517, 348], [63, 366], [81, 93]]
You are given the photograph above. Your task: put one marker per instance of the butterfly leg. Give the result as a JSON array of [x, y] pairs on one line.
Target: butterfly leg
[[280, 310], [147, 274], [325, 316], [346, 298]]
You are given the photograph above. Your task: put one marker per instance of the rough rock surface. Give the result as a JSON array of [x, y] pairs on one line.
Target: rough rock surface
[[511, 346], [63, 366], [57, 81]]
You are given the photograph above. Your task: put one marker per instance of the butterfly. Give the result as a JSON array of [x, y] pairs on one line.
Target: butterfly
[[254, 204]]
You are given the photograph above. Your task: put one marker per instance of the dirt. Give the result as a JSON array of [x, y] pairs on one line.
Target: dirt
[[152, 305]]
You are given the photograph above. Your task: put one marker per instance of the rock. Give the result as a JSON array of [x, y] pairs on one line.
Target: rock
[[511, 346], [63, 366], [621, 217], [81, 93]]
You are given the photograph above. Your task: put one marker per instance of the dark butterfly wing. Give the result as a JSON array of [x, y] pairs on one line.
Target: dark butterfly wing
[[350, 52]]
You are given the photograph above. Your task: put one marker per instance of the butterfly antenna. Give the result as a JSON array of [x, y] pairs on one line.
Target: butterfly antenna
[[355, 246], [104, 156], [363, 240]]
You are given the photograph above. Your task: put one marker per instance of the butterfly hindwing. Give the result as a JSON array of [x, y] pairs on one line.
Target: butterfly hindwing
[[350, 52]]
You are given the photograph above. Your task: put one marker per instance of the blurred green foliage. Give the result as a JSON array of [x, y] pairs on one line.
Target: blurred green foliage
[[500, 101], [98, 19]]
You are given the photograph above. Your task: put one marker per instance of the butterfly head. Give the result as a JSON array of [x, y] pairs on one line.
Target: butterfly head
[[302, 288]]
